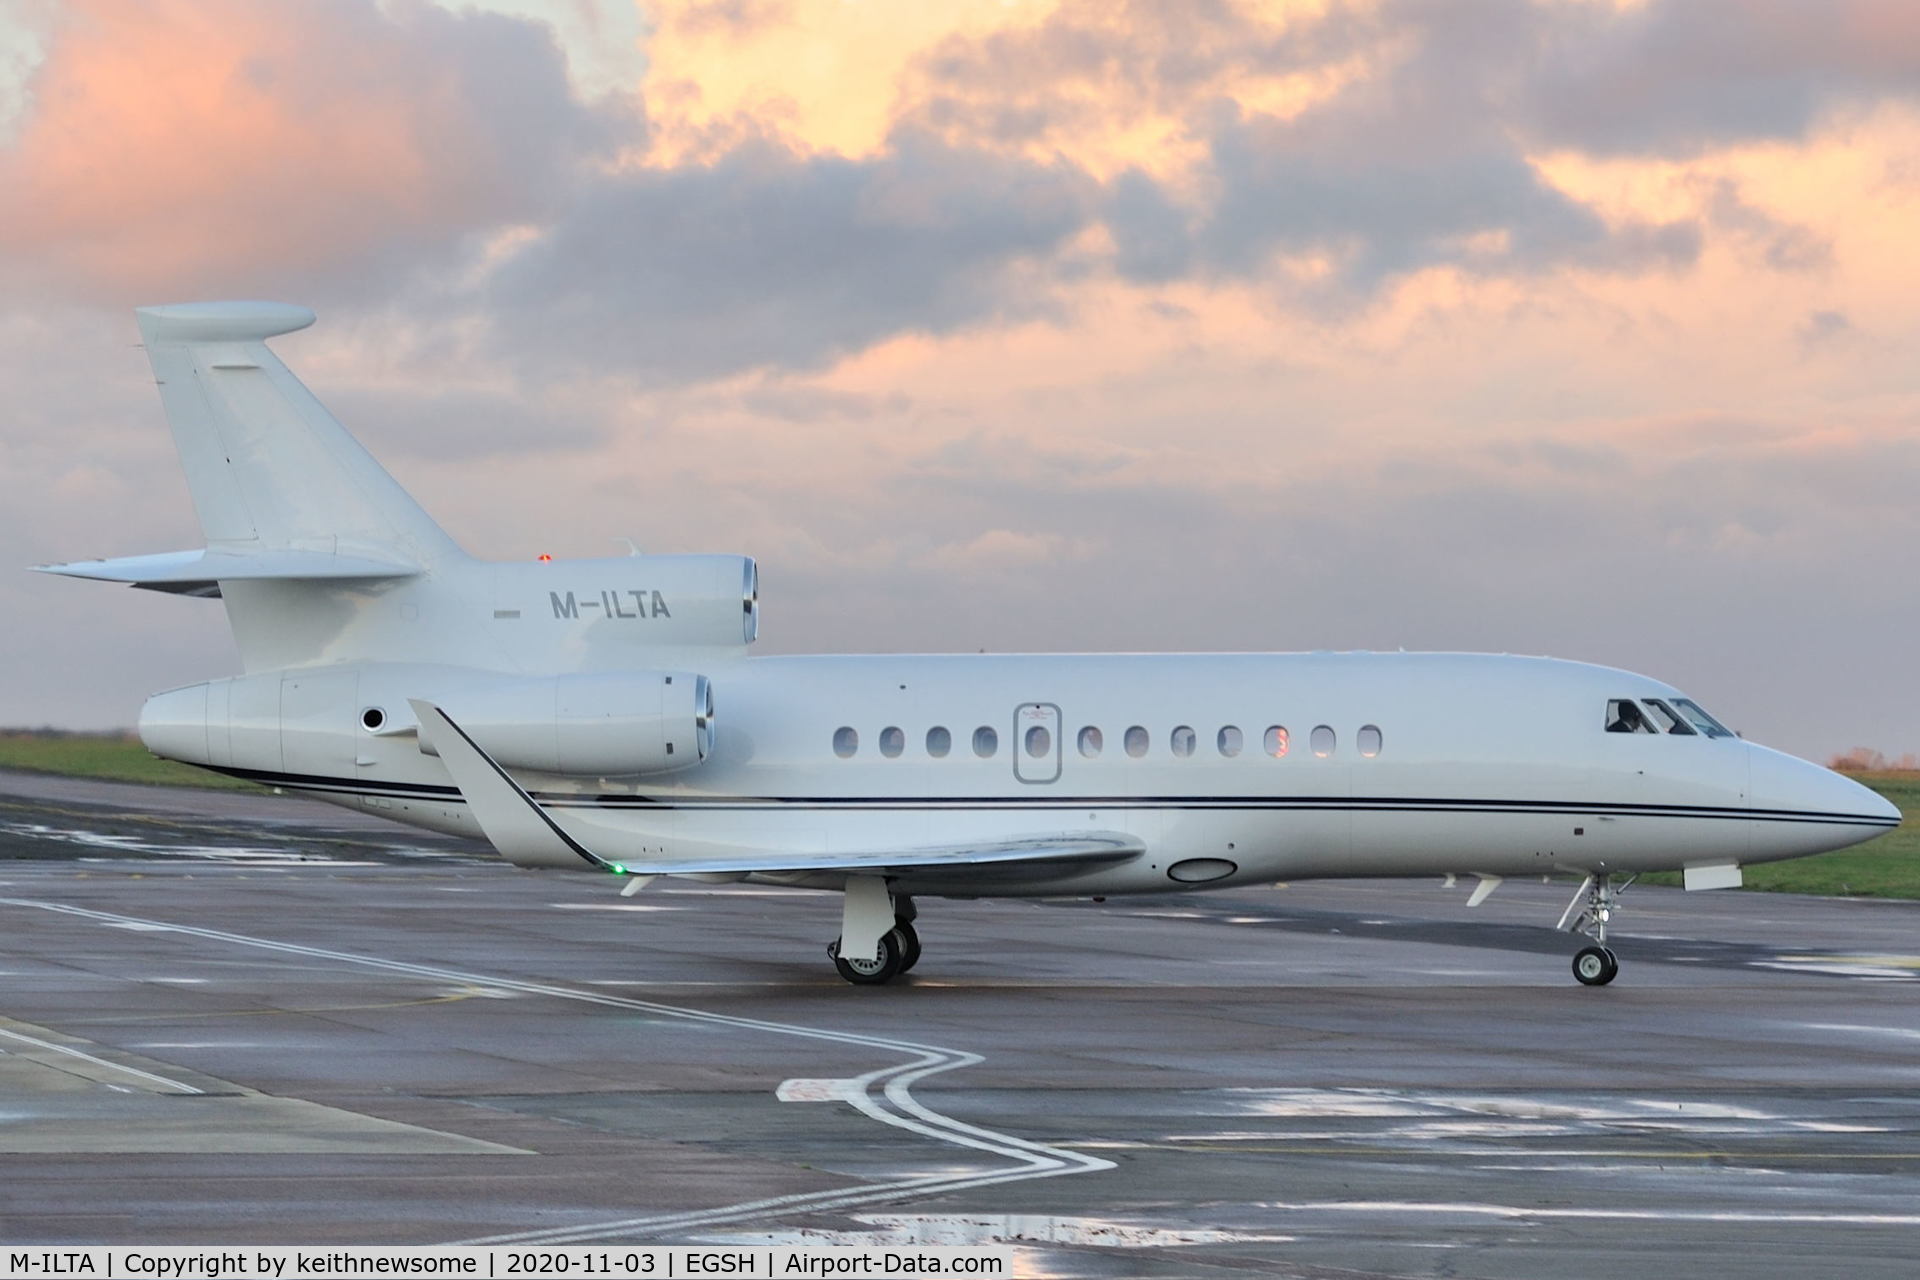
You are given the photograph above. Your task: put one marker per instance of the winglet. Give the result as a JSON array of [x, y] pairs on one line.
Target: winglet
[[513, 821]]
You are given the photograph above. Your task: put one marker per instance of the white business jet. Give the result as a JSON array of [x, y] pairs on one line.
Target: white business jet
[[603, 715]]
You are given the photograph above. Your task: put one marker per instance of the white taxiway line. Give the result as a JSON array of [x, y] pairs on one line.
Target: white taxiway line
[[173, 1085], [894, 1105]]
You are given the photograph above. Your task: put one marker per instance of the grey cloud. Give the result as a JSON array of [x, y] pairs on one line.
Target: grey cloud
[[1423, 160], [1381, 212], [1678, 77], [707, 16], [1090, 59], [1670, 76], [769, 258], [798, 402], [1152, 236], [1822, 327], [1785, 246], [449, 425]]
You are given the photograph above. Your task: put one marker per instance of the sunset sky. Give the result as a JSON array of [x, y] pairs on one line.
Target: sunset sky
[[1589, 329]]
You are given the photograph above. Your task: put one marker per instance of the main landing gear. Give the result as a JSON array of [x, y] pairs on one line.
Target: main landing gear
[[1592, 907], [897, 950]]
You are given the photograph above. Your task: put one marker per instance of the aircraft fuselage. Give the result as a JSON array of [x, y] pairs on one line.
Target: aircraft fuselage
[[1229, 768]]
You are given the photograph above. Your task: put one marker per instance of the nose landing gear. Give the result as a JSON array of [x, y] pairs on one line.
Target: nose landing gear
[[1592, 907], [1595, 966]]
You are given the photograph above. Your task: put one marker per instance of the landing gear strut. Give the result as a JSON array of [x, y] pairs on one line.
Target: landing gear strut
[[1592, 907]]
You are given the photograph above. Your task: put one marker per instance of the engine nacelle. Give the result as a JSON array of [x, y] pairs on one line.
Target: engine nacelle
[[598, 723], [629, 602]]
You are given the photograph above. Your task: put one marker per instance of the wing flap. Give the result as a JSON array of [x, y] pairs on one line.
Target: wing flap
[[1059, 848]]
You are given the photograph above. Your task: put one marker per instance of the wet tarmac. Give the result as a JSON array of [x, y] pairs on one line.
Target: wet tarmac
[[246, 1019]]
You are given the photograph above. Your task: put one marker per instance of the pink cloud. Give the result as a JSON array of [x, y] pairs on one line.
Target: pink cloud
[[188, 144]]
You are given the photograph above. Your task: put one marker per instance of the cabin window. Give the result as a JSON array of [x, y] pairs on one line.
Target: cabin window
[[892, 742], [1276, 741], [1322, 740], [1137, 741], [1039, 742], [1625, 716], [939, 741], [1229, 740], [1368, 740], [1697, 715], [1091, 742], [1183, 740], [845, 741], [985, 742], [1667, 719]]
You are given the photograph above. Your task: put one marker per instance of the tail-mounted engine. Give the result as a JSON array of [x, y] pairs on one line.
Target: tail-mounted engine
[[324, 725], [598, 723]]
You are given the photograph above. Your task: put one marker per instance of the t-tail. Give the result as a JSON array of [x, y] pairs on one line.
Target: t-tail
[[322, 559]]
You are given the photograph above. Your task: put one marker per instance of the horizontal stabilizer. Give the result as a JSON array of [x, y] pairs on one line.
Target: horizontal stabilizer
[[222, 321], [199, 573]]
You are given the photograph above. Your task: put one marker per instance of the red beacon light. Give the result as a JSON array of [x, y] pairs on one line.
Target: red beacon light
[[545, 558]]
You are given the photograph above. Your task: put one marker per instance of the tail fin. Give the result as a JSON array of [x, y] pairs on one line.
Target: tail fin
[[297, 515], [269, 468]]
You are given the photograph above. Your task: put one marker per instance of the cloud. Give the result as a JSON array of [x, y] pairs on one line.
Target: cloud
[[1088, 326], [1373, 142], [195, 147], [1089, 68], [1785, 246], [766, 257], [1000, 551], [1822, 327], [1676, 78], [1339, 186]]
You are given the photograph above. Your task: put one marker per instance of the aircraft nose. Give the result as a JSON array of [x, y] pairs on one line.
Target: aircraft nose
[[1799, 804]]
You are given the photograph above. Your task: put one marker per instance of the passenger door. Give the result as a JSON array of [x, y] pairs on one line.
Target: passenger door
[[1036, 742]]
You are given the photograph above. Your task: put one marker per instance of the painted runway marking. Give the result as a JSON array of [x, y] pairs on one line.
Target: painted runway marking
[[893, 1104], [1898, 1033], [803, 1090], [172, 1085]]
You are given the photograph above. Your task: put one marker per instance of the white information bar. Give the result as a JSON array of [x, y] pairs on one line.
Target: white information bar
[[525, 1262]]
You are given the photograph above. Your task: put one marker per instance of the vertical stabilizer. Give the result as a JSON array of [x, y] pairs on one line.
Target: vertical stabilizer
[[269, 468]]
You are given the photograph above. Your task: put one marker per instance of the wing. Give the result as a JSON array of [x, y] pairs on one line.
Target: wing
[[524, 832]]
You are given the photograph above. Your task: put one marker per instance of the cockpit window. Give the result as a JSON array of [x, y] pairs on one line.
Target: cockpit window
[[1625, 716], [1667, 718], [1698, 717]]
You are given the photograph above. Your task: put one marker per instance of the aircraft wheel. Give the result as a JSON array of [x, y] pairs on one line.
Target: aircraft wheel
[[910, 945], [1595, 966], [871, 971]]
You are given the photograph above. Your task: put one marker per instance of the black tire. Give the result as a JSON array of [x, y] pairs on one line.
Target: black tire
[[871, 973], [910, 945], [1595, 966]]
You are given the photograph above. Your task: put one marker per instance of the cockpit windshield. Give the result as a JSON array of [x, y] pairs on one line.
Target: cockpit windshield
[[1682, 717], [1698, 717], [1625, 716]]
